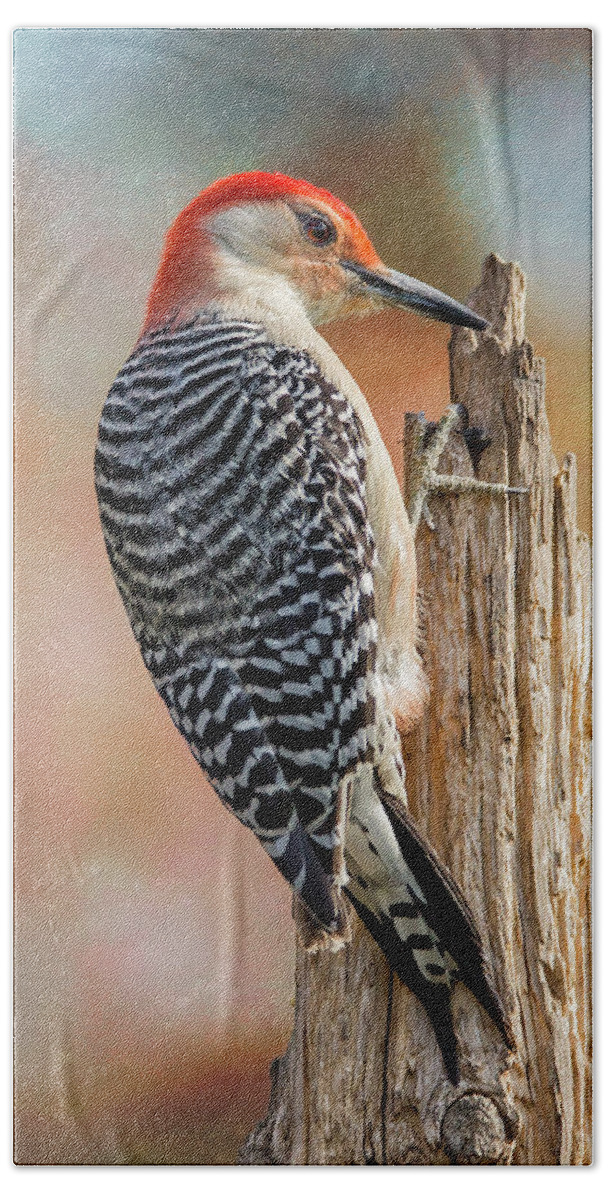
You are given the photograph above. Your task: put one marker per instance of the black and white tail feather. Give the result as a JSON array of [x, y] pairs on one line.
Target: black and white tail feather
[[230, 475], [416, 913]]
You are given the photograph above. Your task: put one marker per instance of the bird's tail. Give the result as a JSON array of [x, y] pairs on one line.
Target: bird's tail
[[415, 912]]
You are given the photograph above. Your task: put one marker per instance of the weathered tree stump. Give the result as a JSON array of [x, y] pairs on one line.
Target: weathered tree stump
[[498, 778]]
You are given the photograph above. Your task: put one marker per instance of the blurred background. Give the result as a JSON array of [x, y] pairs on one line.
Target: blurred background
[[154, 951]]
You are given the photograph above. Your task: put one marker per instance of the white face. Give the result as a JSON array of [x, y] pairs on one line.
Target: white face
[[276, 244]]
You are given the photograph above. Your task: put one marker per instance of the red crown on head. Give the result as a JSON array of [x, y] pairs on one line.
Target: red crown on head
[[263, 185]]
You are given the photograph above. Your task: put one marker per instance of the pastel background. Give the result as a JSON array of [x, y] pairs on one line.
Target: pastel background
[[154, 950]]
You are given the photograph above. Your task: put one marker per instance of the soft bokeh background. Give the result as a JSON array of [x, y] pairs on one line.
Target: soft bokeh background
[[154, 944]]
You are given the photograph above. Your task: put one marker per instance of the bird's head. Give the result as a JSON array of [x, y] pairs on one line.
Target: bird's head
[[258, 234]]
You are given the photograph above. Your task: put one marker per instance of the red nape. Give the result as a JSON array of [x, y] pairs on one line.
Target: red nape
[[187, 253]]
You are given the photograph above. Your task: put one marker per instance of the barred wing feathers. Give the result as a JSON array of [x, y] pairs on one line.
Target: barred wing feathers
[[230, 478]]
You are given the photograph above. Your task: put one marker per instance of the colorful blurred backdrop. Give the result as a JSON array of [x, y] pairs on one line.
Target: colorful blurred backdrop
[[154, 952]]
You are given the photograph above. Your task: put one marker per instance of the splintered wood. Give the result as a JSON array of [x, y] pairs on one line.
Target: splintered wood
[[498, 777]]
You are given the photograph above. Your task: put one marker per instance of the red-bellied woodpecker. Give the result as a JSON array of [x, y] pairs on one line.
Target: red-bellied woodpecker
[[260, 543]]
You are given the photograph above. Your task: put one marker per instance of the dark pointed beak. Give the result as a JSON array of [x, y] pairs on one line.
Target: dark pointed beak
[[405, 292]]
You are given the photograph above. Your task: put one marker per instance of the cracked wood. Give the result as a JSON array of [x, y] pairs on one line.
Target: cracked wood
[[498, 776]]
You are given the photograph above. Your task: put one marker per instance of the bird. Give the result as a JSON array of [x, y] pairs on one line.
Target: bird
[[259, 540]]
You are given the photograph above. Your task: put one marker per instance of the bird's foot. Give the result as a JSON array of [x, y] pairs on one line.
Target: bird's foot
[[425, 481], [313, 936]]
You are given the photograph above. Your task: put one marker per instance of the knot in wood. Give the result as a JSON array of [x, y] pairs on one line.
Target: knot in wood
[[473, 1131]]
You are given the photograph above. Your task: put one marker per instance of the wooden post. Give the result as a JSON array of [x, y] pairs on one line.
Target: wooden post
[[498, 778]]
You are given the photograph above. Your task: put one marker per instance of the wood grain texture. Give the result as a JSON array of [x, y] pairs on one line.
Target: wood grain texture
[[498, 777]]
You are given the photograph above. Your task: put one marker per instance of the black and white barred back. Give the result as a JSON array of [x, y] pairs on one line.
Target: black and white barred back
[[231, 483]]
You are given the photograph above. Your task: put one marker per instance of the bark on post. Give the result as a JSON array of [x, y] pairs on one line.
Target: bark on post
[[498, 778]]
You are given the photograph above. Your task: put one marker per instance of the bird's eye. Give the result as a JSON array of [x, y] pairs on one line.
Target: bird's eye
[[318, 230]]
